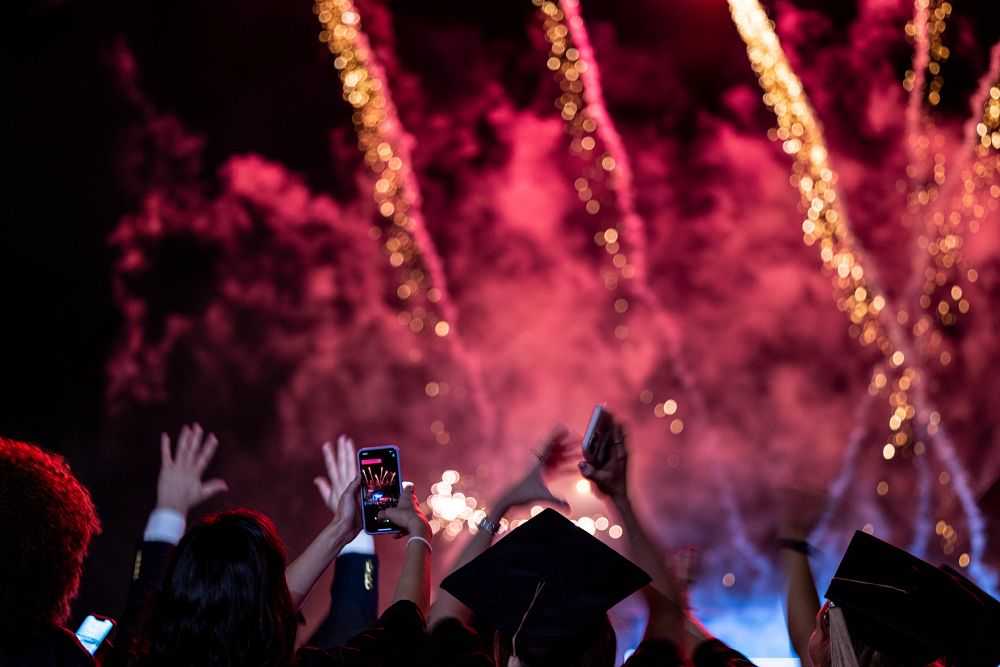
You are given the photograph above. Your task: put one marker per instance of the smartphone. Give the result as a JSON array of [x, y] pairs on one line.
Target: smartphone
[[381, 486], [93, 631], [597, 438]]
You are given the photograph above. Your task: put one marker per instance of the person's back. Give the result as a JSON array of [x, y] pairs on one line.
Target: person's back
[[47, 519]]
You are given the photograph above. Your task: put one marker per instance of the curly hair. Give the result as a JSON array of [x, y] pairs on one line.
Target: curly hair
[[48, 519], [225, 600]]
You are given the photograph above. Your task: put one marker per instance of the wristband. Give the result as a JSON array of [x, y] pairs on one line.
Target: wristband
[[427, 543], [799, 546]]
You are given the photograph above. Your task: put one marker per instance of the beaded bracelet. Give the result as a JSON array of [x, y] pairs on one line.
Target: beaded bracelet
[[426, 542]]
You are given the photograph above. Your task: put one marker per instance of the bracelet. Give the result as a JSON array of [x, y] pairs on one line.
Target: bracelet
[[488, 526], [799, 546], [430, 549]]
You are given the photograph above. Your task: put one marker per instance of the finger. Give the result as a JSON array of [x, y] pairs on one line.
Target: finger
[[325, 491], [195, 443], [407, 499], [347, 462], [207, 452], [620, 452], [212, 487], [185, 447], [329, 460], [183, 442], [586, 469], [165, 460], [396, 515], [345, 455]]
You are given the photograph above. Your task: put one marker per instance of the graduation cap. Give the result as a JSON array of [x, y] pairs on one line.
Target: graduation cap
[[990, 502], [545, 582], [912, 611]]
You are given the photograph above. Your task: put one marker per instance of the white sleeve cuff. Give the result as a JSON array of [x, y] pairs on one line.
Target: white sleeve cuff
[[164, 525], [362, 544]]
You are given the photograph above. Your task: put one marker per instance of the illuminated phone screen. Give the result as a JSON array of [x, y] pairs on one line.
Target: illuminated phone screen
[[380, 486], [93, 631]]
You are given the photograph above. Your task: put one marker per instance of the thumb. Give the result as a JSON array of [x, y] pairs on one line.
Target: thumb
[[212, 487], [394, 514], [586, 469]]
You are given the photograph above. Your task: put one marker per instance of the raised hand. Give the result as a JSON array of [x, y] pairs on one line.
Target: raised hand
[[408, 515], [612, 479], [340, 471], [180, 487], [555, 452], [799, 510]]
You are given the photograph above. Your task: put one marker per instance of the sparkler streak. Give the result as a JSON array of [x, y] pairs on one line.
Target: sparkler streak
[[826, 222], [585, 113], [386, 147]]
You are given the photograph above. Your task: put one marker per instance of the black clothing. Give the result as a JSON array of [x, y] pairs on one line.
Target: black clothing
[[397, 639], [44, 646], [715, 653], [353, 601]]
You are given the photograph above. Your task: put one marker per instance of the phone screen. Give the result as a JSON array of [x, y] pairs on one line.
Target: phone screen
[[93, 631], [381, 486]]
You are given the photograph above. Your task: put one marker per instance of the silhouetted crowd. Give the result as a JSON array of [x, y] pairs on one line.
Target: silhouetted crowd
[[222, 592]]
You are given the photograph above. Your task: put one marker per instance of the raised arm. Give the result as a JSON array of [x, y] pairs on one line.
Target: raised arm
[[529, 489], [354, 587], [414, 582], [666, 611], [305, 570], [799, 510], [179, 489]]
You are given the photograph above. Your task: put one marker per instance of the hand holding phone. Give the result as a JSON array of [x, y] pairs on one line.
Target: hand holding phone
[[93, 631], [598, 438], [381, 487]]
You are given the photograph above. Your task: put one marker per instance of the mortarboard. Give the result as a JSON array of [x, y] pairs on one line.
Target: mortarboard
[[990, 502], [545, 582], [910, 610]]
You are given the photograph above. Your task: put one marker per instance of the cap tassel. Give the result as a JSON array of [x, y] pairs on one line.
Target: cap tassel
[[515, 661], [841, 647]]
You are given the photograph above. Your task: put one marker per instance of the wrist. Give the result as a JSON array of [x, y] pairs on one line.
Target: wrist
[[621, 501], [338, 534], [171, 506]]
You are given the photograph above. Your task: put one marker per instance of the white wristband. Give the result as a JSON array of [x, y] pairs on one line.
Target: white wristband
[[427, 543]]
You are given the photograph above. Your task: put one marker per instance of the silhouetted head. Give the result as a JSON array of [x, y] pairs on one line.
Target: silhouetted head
[[594, 646], [47, 520], [224, 599]]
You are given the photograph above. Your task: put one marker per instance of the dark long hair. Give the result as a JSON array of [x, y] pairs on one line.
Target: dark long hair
[[225, 601]]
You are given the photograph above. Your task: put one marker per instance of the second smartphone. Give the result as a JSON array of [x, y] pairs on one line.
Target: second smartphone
[[381, 486]]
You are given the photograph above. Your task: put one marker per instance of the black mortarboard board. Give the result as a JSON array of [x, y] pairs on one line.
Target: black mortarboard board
[[983, 646], [583, 579], [990, 502], [908, 609]]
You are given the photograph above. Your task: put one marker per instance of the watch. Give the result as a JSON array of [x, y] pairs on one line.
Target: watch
[[489, 526]]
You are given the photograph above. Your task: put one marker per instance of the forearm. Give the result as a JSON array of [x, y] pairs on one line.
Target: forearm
[[415, 578], [665, 600], [303, 573], [801, 600]]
